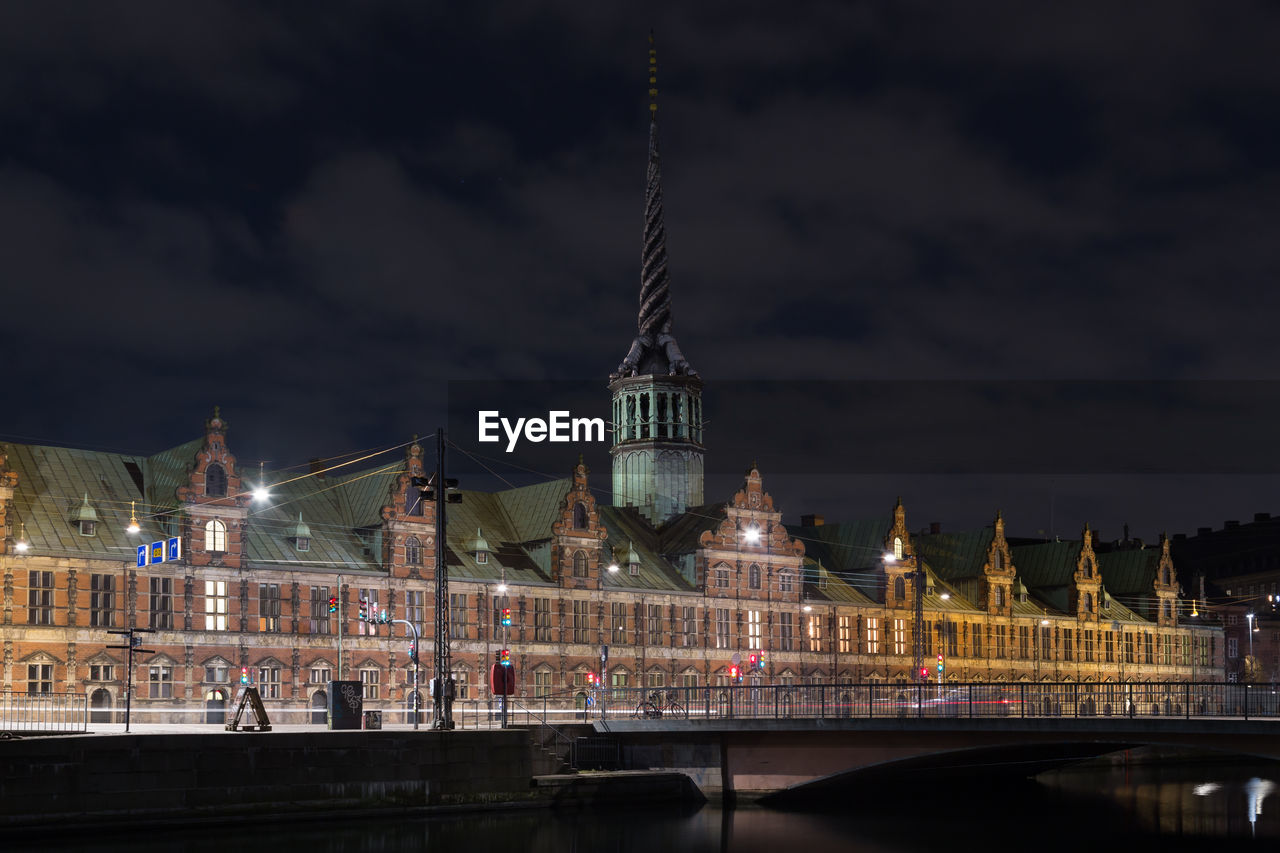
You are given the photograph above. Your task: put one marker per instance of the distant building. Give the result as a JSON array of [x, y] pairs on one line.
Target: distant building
[[1235, 574]]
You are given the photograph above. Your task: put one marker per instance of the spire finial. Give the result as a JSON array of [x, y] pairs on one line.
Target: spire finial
[[653, 79]]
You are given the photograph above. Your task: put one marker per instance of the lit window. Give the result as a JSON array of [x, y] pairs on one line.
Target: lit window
[[215, 605], [897, 548], [215, 536]]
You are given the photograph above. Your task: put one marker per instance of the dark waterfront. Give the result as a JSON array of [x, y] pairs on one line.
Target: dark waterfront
[[1109, 805]]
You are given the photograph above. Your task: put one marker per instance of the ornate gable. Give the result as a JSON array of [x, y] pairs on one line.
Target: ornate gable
[[1166, 587], [215, 501], [754, 543], [900, 561], [578, 536], [8, 482], [409, 521], [1086, 582], [996, 595]]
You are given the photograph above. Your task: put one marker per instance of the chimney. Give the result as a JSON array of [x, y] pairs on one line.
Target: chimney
[[935, 527], [315, 466], [813, 520]]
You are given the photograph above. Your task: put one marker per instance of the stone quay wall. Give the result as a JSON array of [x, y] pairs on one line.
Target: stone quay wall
[[83, 780]]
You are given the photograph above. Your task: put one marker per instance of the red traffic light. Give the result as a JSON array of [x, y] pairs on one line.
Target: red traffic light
[[754, 660]]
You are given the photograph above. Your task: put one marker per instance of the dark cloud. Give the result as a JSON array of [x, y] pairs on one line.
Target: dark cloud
[[316, 216]]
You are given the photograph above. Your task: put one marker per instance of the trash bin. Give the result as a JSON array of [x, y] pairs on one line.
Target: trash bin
[[372, 720]]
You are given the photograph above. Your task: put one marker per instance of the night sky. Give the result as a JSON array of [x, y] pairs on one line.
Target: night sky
[[317, 215]]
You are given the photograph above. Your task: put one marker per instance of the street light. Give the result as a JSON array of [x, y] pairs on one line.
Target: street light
[[1248, 669]]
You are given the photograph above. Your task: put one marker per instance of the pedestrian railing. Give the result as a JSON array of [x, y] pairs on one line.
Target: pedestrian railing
[[43, 712], [976, 700]]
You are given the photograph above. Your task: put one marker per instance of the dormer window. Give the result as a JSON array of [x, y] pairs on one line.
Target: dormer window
[[86, 518], [302, 535], [898, 552], [579, 516], [1087, 567], [413, 551], [478, 548], [997, 561], [999, 595]]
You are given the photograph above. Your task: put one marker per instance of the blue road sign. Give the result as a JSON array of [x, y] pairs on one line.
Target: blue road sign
[[175, 549], [156, 553], [142, 556]]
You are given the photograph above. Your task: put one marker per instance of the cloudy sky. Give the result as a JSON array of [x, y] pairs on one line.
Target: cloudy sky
[[318, 215]]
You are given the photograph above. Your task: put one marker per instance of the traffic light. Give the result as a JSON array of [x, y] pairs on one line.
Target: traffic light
[[506, 617], [760, 661], [939, 664], [755, 661], [244, 675], [413, 652], [924, 673], [735, 674], [364, 609], [333, 604], [504, 657], [591, 679]]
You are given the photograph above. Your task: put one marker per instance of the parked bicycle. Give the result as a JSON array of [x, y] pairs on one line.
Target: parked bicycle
[[659, 704]]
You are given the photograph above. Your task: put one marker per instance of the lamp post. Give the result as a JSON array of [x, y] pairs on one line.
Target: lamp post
[[612, 568], [1248, 662]]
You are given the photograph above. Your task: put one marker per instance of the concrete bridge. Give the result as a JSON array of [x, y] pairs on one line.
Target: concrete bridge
[[791, 762]]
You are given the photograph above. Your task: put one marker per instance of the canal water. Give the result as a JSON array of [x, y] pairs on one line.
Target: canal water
[[1112, 804]]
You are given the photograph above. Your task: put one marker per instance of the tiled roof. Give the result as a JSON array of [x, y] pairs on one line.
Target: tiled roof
[[955, 555]]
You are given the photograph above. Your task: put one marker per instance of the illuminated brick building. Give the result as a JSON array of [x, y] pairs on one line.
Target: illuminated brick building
[[693, 584]]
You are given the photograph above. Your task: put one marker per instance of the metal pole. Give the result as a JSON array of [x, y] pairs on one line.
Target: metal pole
[[342, 617], [442, 710], [128, 690]]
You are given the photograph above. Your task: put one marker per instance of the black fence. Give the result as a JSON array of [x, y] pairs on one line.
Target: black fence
[[1017, 699]]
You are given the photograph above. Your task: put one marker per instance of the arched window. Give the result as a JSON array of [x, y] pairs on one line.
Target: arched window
[[215, 536], [412, 500], [413, 551], [1087, 567], [1164, 575], [897, 548], [1088, 602], [753, 576], [215, 481], [997, 562], [579, 516], [580, 564], [999, 591], [899, 588]]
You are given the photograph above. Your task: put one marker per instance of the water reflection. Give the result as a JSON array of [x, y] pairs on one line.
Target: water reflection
[[1185, 795], [1118, 803]]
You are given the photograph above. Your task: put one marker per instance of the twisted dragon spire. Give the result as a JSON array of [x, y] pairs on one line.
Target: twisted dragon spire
[[654, 350]]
